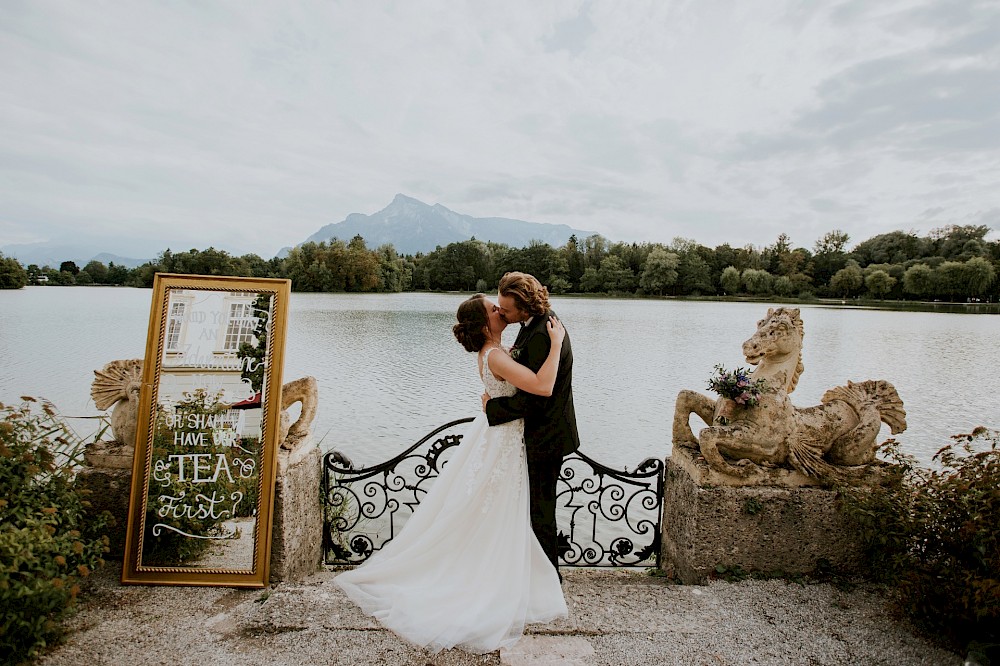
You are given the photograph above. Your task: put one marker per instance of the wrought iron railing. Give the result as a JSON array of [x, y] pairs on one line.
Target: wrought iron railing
[[606, 517]]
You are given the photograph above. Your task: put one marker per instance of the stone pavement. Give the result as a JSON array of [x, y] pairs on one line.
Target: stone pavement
[[616, 617]]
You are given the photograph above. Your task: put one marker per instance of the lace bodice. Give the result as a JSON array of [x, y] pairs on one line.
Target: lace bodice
[[497, 388]]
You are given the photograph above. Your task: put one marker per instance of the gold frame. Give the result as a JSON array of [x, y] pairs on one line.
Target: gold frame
[[133, 571]]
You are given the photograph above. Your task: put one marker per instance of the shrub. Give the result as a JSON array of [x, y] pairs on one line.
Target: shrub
[[46, 545], [935, 534]]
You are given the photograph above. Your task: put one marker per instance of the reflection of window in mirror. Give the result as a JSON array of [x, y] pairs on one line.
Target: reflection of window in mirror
[[240, 323], [177, 318]]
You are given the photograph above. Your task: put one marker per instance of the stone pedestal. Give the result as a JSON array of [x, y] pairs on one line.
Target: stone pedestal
[[108, 478], [297, 530], [789, 526]]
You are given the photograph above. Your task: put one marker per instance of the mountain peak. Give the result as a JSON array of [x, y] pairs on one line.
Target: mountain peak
[[412, 227], [402, 199]]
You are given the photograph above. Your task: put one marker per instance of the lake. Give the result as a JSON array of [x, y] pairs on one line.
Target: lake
[[389, 370]]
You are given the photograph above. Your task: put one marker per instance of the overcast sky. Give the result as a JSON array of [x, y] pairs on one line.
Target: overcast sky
[[248, 126]]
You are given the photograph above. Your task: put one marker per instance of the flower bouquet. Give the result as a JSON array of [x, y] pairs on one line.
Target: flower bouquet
[[737, 387]]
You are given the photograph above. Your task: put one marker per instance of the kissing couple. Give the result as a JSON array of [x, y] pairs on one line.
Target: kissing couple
[[478, 559]]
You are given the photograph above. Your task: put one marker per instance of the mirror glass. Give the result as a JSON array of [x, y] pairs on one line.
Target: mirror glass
[[204, 473]]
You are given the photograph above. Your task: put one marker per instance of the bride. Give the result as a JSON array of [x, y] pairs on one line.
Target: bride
[[467, 569]]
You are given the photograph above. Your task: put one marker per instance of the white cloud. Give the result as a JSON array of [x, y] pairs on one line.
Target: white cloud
[[250, 126]]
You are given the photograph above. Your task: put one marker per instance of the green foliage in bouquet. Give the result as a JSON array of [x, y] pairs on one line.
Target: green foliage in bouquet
[[737, 385], [935, 535], [46, 543]]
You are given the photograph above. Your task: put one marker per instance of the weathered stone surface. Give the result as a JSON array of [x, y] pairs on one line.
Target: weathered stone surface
[[548, 651], [297, 531], [108, 491], [109, 455], [786, 528], [828, 441], [304, 390]]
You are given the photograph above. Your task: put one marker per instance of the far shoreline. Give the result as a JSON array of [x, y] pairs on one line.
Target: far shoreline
[[949, 307]]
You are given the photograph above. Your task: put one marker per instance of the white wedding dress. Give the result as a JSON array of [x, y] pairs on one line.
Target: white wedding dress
[[466, 570]]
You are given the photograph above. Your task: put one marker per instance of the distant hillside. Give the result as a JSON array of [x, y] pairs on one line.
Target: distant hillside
[[52, 254], [413, 226]]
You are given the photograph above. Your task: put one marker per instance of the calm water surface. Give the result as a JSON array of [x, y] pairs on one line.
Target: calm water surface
[[389, 370]]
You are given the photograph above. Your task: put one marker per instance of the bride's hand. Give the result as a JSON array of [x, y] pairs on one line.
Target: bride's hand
[[556, 330]]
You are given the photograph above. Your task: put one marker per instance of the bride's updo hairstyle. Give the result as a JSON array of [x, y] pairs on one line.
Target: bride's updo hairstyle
[[472, 320]]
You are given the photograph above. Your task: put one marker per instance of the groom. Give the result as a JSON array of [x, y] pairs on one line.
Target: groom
[[549, 423]]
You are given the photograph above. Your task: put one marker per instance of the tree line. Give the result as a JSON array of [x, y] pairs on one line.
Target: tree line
[[953, 263]]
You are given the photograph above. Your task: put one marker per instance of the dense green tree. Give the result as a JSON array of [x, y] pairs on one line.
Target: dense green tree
[[832, 242], [142, 276], [318, 266], [12, 273], [895, 271], [97, 271], [458, 266], [783, 286], [362, 270], [724, 255], [757, 281], [879, 283], [659, 272], [203, 262], [256, 266], [950, 279], [894, 247], [848, 280], [775, 253], [829, 256], [118, 274], [952, 240], [595, 248], [694, 275], [69, 267], [575, 261], [919, 280], [616, 276], [83, 277], [537, 258], [558, 285], [591, 280], [979, 276], [731, 281], [558, 277], [397, 273]]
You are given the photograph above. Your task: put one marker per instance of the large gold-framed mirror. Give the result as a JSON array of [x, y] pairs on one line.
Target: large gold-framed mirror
[[203, 476]]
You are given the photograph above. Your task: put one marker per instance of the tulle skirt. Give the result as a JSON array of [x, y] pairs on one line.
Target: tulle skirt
[[466, 570]]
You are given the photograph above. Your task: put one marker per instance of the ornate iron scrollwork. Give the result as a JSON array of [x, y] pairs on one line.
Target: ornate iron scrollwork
[[606, 517]]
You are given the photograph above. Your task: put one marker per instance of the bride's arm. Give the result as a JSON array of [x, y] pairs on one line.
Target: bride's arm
[[504, 367]]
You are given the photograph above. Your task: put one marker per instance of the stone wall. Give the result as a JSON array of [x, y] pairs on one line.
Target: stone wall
[[785, 528], [297, 529]]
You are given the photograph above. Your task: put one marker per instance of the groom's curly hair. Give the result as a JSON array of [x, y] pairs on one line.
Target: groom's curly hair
[[527, 292], [472, 319]]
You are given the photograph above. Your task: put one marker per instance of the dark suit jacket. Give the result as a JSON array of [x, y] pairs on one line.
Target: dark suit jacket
[[549, 423]]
